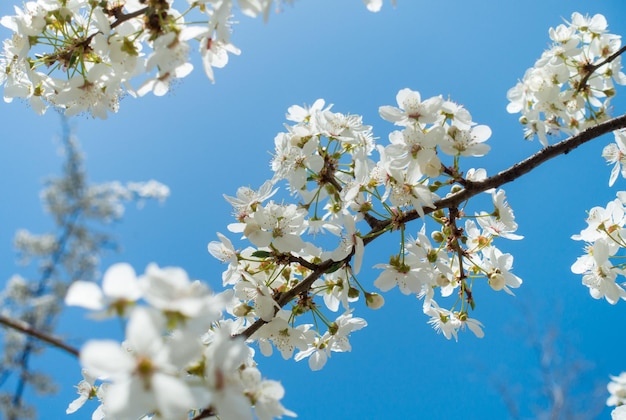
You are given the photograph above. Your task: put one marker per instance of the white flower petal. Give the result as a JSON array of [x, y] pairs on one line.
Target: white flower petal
[[85, 294]]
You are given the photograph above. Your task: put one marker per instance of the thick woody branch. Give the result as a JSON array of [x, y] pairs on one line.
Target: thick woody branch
[[510, 174], [452, 201], [31, 332], [527, 165]]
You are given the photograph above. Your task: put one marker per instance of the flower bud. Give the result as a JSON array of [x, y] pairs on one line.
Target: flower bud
[[241, 310], [442, 280], [437, 236], [438, 214], [353, 293], [374, 300]]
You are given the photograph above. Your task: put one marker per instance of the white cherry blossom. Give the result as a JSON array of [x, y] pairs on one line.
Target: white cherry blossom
[[120, 289], [143, 378], [411, 109], [615, 153]]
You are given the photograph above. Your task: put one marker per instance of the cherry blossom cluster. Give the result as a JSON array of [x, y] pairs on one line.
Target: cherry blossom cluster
[[432, 129], [296, 285], [452, 264], [596, 65], [567, 91], [571, 85], [83, 56], [317, 157], [178, 358], [80, 55], [326, 160], [605, 236]]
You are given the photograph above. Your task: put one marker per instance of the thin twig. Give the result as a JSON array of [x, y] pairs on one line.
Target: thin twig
[[455, 246], [123, 18], [205, 414], [286, 297], [591, 68], [32, 332]]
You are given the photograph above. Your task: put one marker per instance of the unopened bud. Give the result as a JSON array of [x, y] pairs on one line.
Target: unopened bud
[[374, 300], [353, 293], [442, 280], [437, 236], [241, 310]]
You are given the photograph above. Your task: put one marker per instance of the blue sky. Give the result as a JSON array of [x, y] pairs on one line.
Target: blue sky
[[204, 140]]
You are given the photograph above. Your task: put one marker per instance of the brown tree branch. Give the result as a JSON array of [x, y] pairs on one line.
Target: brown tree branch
[[299, 260], [31, 332], [452, 201], [205, 414], [591, 68], [285, 298], [128, 16], [510, 174]]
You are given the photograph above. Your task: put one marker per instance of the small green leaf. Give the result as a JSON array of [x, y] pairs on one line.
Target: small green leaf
[[261, 254], [334, 267]]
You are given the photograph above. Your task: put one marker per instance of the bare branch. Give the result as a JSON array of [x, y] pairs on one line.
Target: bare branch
[[31, 332]]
